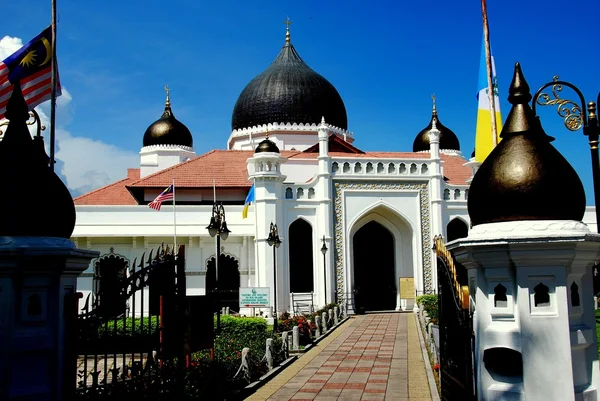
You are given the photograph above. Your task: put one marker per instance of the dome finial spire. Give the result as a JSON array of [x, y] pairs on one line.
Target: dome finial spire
[[287, 22], [433, 98], [168, 102]]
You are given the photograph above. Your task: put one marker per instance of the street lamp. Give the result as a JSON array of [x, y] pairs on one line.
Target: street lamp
[[575, 117], [324, 252], [218, 227], [274, 241]]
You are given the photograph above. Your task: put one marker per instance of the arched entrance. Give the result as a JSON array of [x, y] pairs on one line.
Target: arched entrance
[[110, 274], [456, 229], [301, 256], [374, 268], [229, 280]]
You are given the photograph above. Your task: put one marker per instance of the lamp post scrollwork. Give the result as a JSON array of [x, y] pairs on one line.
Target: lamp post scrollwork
[[575, 116]]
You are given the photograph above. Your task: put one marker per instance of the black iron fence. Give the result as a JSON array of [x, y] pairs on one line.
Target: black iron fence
[[140, 350], [456, 328]]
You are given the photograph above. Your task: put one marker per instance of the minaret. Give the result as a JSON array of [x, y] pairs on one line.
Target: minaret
[[264, 169], [325, 224], [435, 185]]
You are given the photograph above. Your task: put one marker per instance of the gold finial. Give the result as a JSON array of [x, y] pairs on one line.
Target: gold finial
[[267, 133], [168, 103], [434, 106], [287, 22]]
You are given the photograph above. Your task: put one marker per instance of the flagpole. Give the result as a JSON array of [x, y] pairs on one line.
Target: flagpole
[[490, 72], [256, 283], [53, 84], [175, 252]]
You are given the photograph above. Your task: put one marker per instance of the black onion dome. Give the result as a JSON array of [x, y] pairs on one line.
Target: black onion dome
[[266, 145], [520, 177], [448, 139], [39, 204], [168, 130], [289, 91]]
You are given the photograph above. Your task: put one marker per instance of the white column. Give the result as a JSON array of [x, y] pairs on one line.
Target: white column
[[436, 197], [325, 227]]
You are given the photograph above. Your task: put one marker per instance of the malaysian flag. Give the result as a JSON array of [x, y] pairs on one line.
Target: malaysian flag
[[166, 195], [31, 65]]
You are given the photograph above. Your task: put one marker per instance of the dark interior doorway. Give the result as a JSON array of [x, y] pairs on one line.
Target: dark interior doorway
[[457, 229], [110, 276], [374, 273], [229, 281], [301, 257]]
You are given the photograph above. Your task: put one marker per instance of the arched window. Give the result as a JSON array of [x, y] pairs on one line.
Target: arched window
[[500, 300], [456, 229], [541, 295], [301, 257], [575, 295]]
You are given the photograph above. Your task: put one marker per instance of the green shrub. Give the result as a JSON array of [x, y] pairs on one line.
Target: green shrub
[[128, 327], [430, 304]]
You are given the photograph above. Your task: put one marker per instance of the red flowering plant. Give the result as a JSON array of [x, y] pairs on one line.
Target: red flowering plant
[[287, 323]]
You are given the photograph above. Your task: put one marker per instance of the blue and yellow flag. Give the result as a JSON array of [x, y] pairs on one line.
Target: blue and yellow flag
[[483, 135], [248, 201]]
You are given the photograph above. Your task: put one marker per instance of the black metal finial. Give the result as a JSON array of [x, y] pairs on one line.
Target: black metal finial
[[16, 108], [518, 180], [519, 92]]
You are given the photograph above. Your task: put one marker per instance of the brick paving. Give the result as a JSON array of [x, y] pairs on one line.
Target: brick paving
[[367, 358]]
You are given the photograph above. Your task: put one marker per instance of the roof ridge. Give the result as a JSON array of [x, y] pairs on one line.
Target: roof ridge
[[101, 188], [172, 167]]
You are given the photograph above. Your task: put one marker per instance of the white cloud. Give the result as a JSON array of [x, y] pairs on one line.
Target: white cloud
[[9, 45], [83, 163]]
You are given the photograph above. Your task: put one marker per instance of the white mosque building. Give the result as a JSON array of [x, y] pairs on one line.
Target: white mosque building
[[376, 212]]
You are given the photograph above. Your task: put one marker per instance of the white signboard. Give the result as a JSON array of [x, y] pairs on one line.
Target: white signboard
[[255, 297]]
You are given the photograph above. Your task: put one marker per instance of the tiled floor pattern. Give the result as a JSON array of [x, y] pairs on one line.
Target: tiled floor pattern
[[368, 360]]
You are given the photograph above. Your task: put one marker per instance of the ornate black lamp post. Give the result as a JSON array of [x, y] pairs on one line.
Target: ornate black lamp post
[[274, 241], [324, 252], [576, 116], [218, 227]]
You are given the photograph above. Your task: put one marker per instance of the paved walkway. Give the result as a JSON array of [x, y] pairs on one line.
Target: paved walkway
[[367, 358]]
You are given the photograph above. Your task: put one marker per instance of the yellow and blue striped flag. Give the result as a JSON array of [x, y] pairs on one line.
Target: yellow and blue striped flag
[[483, 135], [248, 201]]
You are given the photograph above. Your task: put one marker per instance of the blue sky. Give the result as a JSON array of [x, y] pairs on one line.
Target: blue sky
[[385, 58]]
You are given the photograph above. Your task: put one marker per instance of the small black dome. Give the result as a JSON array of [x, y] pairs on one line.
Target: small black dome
[[29, 178], [167, 130], [266, 145], [289, 91], [448, 139], [519, 178]]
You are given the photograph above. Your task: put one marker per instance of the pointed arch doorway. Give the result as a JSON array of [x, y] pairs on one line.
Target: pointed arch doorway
[[229, 280], [374, 268]]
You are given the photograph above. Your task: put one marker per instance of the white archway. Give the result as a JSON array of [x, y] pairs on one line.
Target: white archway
[[406, 250]]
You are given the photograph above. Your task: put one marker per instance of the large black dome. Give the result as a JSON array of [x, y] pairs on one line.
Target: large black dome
[[168, 130], [289, 91], [448, 139]]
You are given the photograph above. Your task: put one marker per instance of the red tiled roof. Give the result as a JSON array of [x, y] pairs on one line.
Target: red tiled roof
[[229, 169], [112, 194], [335, 144]]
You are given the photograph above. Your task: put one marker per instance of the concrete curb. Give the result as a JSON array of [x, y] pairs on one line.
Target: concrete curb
[[435, 396], [254, 386]]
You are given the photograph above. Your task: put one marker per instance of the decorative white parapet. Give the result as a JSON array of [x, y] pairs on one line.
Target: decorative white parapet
[[534, 323]]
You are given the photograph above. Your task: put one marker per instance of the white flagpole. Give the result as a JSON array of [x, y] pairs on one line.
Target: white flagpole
[[490, 72], [174, 222], [256, 283]]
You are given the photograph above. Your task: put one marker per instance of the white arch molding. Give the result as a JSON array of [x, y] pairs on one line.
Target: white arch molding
[[405, 245]]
